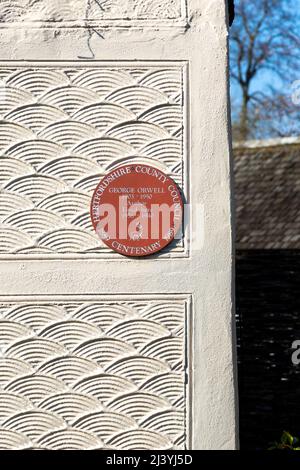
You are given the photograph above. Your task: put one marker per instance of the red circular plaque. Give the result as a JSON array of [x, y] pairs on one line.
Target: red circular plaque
[[137, 210]]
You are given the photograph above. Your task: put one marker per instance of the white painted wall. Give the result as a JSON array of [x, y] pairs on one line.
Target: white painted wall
[[57, 59]]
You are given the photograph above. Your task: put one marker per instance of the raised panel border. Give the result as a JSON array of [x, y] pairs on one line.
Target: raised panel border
[[186, 300], [170, 252], [106, 23]]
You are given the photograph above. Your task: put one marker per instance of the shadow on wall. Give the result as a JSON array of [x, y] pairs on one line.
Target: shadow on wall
[[231, 11]]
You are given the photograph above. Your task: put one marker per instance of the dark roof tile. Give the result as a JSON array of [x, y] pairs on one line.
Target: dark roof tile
[[267, 189]]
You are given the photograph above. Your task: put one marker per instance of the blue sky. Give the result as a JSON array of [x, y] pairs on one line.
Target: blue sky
[[266, 78]]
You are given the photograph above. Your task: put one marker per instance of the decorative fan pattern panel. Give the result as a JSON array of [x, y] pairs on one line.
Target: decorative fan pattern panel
[[62, 129], [80, 375], [57, 11]]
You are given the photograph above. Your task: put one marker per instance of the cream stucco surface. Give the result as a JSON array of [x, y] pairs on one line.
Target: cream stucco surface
[[59, 60]]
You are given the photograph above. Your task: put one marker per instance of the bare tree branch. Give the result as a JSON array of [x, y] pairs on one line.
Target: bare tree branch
[[265, 37]]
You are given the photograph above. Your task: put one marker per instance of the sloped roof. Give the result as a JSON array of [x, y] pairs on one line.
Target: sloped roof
[[267, 194]]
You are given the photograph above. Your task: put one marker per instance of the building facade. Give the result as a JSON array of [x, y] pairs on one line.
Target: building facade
[[98, 350], [267, 279]]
